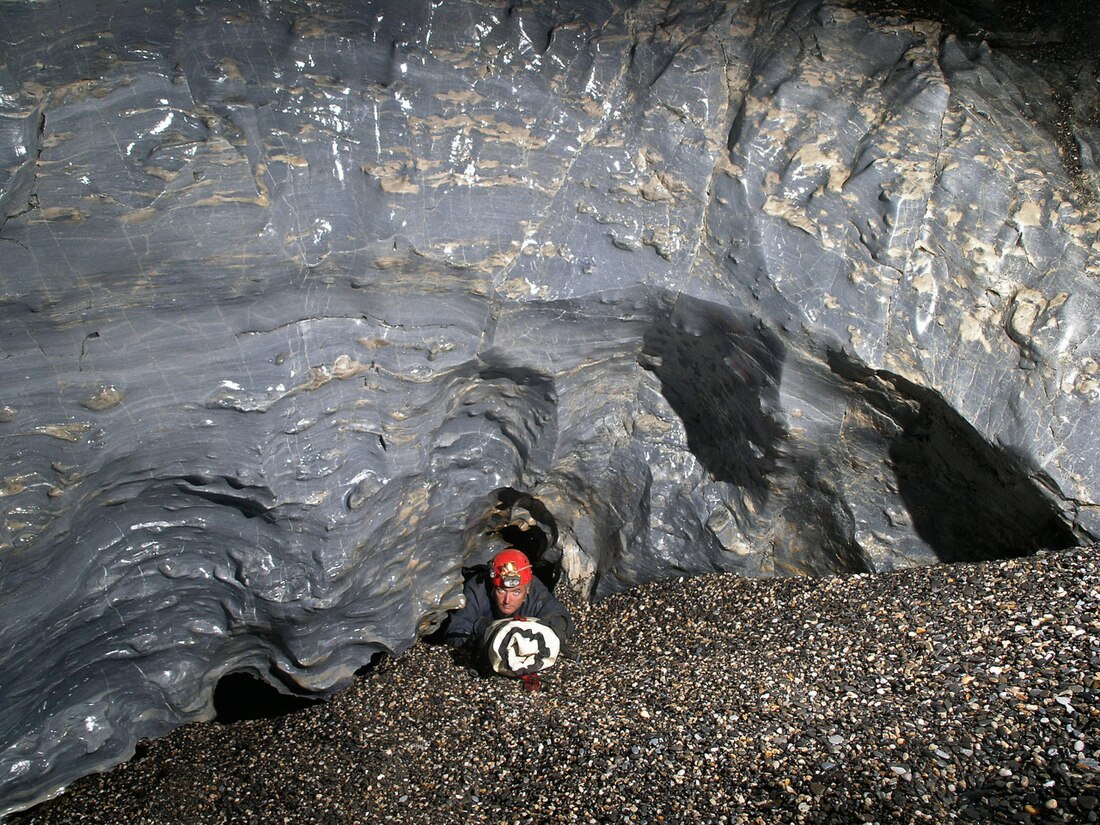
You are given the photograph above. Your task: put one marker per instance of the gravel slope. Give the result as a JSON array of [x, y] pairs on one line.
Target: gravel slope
[[965, 693]]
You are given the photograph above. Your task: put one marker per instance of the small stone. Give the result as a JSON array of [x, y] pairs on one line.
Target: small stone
[[104, 398]]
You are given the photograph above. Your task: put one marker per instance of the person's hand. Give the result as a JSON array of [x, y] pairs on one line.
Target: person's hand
[[457, 641]]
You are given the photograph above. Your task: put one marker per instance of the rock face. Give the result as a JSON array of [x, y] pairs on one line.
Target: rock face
[[294, 293]]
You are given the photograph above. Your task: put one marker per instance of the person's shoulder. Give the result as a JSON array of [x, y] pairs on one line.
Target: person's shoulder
[[475, 572], [538, 587], [476, 588], [542, 595]]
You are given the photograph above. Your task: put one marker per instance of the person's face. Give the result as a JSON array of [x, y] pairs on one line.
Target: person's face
[[508, 599]]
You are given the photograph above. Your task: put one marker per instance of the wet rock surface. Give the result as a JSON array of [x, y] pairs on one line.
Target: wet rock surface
[[290, 290], [962, 693]]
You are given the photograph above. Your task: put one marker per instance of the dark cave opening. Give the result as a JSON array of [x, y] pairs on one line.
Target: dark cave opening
[[520, 520], [240, 696], [968, 500]]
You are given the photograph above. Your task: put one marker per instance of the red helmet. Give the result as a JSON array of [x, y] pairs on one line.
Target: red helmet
[[510, 568]]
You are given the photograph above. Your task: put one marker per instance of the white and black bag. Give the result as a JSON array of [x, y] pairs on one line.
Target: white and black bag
[[521, 647]]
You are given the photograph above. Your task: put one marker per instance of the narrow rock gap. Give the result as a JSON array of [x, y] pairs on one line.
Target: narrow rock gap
[[518, 519], [240, 696]]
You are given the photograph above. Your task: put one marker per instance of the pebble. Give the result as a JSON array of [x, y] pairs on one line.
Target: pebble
[[805, 701]]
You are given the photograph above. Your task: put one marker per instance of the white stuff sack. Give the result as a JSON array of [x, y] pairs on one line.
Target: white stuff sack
[[520, 648]]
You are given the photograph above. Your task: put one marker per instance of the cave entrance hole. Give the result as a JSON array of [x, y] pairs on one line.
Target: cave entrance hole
[[505, 518], [241, 696], [968, 500], [520, 520]]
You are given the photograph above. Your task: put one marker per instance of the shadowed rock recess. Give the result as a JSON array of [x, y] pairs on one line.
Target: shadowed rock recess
[[291, 292]]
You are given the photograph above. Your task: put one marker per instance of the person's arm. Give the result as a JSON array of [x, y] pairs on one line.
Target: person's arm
[[467, 623]]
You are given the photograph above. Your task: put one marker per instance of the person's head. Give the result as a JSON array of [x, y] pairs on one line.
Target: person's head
[[510, 579]]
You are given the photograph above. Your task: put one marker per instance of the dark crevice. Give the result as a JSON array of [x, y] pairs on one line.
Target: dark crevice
[[84, 343], [31, 163], [241, 696], [522, 521], [224, 490], [247, 507], [508, 517]]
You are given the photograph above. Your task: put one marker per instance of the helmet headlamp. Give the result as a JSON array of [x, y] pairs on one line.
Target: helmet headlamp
[[510, 569]]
